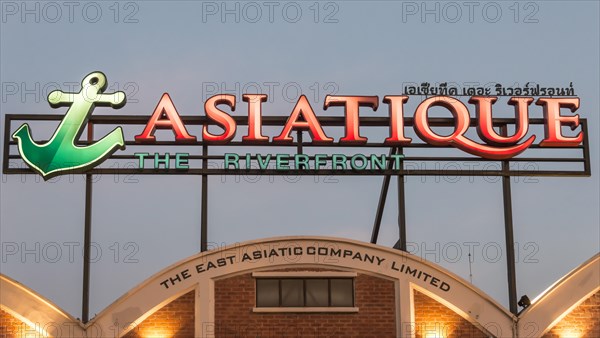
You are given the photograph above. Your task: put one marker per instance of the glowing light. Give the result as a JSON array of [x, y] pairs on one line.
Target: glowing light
[[436, 330], [156, 332], [570, 333], [437, 334]]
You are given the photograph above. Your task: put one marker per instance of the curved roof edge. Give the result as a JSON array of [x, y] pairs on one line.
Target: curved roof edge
[[35, 310], [147, 297], [182, 262], [552, 305]]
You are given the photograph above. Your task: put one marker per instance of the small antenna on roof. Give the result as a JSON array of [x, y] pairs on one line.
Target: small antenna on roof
[[470, 270]]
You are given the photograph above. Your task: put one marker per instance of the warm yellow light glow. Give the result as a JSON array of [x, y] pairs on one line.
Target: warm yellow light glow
[[435, 330], [28, 326], [156, 333], [570, 333], [435, 335], [439, 334]]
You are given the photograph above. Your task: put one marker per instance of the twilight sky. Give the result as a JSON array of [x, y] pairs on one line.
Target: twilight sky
[[192, 51]]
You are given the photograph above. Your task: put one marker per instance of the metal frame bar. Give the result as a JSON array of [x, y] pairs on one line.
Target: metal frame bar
[[509, 235], [6, 150], [320, 172], [382, 198], [87, 239], [299, 144], [332, 121], [87, 242], [204, 216], [401, 210]]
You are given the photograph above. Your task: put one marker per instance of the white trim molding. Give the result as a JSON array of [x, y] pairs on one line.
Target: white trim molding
[[304, 274], [560, 299], [304, 309]]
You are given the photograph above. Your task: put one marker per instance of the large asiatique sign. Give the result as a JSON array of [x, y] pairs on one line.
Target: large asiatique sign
[[66, 152]]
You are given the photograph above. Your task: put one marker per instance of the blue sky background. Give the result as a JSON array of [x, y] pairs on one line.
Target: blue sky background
[[370, 48]]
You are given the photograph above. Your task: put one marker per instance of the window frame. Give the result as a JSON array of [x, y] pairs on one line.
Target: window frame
[[304, 278]]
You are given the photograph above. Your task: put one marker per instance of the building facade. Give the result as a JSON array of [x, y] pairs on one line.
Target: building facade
[[312, 287]]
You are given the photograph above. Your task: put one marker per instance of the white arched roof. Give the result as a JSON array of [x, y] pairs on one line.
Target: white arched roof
[[199, 272]]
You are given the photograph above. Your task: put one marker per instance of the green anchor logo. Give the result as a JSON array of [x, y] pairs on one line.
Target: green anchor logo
[[60, 153]]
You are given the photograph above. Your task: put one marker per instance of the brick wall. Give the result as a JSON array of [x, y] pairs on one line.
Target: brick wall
[[10, 326], [583, 321], [175, 319], [235, 299], [433, 319]]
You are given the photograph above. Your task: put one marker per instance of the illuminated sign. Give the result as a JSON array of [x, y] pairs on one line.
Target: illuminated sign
[[65, 152], [61, 153]]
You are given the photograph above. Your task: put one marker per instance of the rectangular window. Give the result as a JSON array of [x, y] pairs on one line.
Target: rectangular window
[[291, 292], [304, 292], [267, 292], [341, 292], [317, 292]]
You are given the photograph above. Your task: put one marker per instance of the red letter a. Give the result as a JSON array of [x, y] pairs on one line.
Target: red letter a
[[165, 116]]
